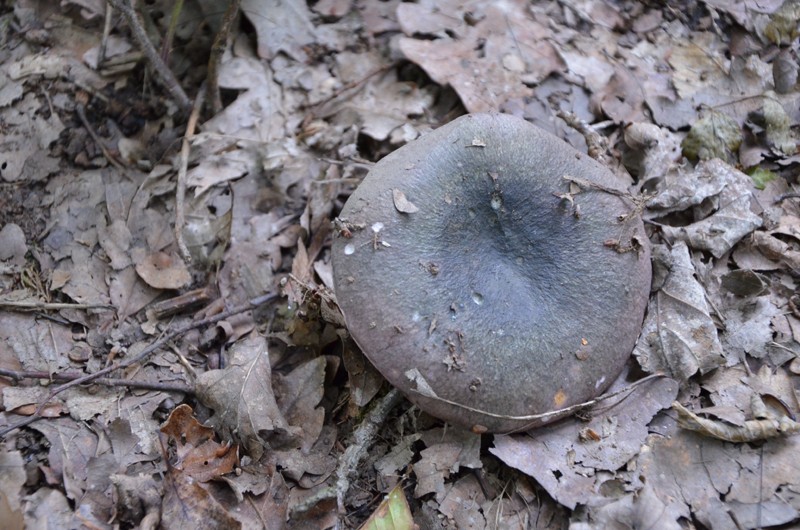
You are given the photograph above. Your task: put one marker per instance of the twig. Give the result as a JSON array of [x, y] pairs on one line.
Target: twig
[[18, 375], [180, 192], [51, 306], [363, 437], [217, 49], [144, 354], [536, 419], [596, 143], [162, 70], [107, 24], [81, 110], [789, 195], [341, 90]]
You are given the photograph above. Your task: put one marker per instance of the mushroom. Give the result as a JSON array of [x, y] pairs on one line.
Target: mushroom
[[492, 273]]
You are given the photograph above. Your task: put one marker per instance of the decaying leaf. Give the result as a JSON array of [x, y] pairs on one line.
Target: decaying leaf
[[162, 270], [678, 336], [765, 425], [198, 454], [504, 44], [733, 218], [715, 135], [187, 504], [569, 468], [242, 397], [446, 453]]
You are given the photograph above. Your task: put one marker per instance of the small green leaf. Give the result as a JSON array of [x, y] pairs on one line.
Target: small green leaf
[[392, 514], [761, 176], [715, 135]]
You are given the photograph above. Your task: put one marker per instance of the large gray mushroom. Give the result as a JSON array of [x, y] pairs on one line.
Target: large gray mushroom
[[492, 273]]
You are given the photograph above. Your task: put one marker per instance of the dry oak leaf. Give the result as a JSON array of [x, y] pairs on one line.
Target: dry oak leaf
[[163, 271], [241, 395], [199, 455]]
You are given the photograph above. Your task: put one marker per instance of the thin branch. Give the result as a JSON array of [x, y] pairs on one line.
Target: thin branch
[[50, 306], [163, 73], [180, 192], [81, 111], [144, 354], [18, 375], [217, 50]]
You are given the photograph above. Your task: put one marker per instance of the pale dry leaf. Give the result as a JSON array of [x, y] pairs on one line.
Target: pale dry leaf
[[10, 90], [129, 293], [283, 26], [748, 329], [12, 479], [241, 396], [678, 337], [26, 141], [49, 508], [257, 114], [480, 51], [642, 509], [391, 465], [402, 204], [733, 473], [186, 504], [298, 395], [214, 170], [163, 271], [447, 451], [13, 246], [115, 239], [35, 344], [567, 467], [72, 445], [743, 12], [462, 503]]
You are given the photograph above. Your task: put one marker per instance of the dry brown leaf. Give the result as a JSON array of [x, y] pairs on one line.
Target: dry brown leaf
[[505, 47], [198, 454], [242, 397], [678, 336], [163, 271], [187, 504], [569, 468]]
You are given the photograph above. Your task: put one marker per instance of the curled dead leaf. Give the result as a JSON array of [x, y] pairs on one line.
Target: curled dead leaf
[[163, 271], [402, 204]]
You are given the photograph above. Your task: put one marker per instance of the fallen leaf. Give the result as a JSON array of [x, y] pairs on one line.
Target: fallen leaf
[[678, 336], [198, 454], [242, 397], [568, 468], [402, 204], [186, 504], [163, 271]]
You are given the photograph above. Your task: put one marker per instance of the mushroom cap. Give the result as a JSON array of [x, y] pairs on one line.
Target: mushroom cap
[[478, 286]]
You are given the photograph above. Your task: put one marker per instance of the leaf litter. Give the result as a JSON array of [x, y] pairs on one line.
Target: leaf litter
[[699, 104]]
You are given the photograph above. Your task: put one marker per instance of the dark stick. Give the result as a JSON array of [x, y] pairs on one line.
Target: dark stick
[[217, 49], [18, 375], [252, 304], [162, 70]]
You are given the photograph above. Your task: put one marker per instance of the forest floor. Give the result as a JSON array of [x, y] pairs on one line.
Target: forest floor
[[171, 351]]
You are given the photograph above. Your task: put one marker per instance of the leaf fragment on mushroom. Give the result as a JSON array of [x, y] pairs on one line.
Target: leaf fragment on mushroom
[[402, 204]]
